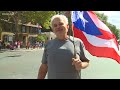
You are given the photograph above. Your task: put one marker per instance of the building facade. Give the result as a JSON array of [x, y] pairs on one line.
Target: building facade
[[26, 32]]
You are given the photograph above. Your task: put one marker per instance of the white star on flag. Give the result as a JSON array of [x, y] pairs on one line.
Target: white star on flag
[[80, 13]]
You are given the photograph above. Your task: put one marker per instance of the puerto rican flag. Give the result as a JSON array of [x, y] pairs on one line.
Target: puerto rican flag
[[96, 36]]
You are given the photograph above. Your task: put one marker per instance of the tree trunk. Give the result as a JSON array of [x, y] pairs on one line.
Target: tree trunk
[[16, 30], [16, 20]]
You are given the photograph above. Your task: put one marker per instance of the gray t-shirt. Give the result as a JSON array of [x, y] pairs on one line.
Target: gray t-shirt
[[58, 56]]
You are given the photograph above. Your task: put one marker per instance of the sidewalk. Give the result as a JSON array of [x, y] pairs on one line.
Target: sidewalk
[[30, 49], [21, 49]]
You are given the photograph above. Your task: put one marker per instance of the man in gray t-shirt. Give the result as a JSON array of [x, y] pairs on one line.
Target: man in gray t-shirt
[[58, 58]]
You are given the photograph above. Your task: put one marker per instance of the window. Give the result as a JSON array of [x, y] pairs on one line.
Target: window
[[23, 29]]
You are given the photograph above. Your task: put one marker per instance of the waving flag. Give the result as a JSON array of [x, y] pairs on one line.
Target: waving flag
[[96, 36]]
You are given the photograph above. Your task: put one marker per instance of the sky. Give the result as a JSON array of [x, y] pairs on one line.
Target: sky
[[113, 17]]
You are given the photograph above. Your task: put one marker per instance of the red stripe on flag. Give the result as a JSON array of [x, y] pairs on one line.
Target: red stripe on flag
[[94, 50]]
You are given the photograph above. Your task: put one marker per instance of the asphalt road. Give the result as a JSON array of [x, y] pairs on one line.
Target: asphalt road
[[24, 64], [20, 64]]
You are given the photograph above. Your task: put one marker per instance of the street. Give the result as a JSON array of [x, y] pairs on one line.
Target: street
[[20, 64], [24, 64]]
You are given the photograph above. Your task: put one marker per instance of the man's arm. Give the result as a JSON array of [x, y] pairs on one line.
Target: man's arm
[[80, 64], [42, 71]]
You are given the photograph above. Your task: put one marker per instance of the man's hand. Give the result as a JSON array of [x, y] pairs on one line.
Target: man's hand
[[77, 62]]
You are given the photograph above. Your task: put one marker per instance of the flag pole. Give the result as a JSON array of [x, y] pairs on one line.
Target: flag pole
[[69, 16], [72, 32], [75, 52]]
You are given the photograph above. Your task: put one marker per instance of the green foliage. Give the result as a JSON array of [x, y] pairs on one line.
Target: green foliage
[[0, 32], [102, 16], [114, 30], [24, 17], [41, 37], [41, 17], [112, 27]]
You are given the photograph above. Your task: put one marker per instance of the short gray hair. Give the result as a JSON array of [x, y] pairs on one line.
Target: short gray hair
[[59, 16]]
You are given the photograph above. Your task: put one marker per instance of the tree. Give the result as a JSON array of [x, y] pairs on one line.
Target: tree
[[23, 17], [41, 37], [102, 17], [112, 27], [114, 30], [0, 31], [14, 17], [41, 17]]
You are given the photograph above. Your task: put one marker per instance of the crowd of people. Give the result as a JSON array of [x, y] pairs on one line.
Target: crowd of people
[[19, 44]]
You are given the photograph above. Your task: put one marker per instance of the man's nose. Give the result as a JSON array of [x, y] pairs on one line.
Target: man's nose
[[58, 26]]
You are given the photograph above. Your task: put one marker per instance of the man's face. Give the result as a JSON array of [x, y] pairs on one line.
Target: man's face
[[59, 26]]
